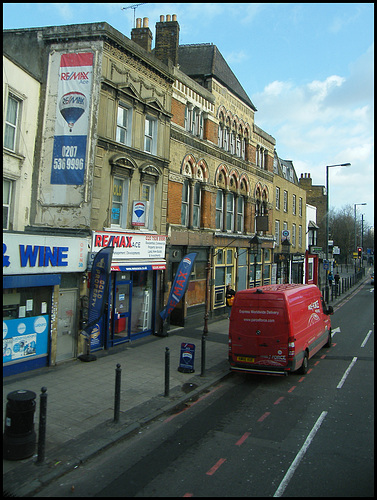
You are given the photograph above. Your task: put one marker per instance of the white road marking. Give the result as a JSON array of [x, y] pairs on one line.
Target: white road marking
[[299, 456], [366, 338], [340, 385]]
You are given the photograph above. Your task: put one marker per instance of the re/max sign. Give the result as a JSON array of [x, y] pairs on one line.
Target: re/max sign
[[106, 240]]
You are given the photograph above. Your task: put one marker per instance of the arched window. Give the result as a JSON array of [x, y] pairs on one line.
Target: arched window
[[220, 210]]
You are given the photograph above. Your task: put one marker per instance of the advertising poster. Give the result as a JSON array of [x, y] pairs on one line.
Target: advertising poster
[[72, 118], [25, 338]]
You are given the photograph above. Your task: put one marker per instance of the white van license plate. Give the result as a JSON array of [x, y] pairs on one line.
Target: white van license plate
[[245, 359]]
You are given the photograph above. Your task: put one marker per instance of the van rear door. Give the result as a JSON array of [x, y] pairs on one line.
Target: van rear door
[[259, 330]]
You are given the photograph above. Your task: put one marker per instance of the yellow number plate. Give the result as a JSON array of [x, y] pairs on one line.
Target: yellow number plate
[[245, 359]]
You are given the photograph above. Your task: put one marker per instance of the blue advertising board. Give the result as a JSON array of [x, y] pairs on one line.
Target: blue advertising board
[[186, 361], [25, 338]]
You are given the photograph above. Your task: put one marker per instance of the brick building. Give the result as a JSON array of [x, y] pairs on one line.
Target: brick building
[[220, 177]]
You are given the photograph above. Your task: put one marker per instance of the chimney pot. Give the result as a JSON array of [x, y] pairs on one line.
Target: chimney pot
[[162, 19], [138, 22], [174, 17], [168, 18], [308, 176], [145, 22]]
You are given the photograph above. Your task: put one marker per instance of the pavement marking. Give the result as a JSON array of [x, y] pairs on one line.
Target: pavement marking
[[316, 363], [188, 495], [366, 338], [302, 379], [279, 400], [299, 456], [265, 415], [192, 404], [216, 466], [292, 388], [243, 438], [340, 385]]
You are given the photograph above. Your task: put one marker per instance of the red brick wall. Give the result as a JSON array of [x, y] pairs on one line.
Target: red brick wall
[[174, 202], [178, 112], [210, 131]]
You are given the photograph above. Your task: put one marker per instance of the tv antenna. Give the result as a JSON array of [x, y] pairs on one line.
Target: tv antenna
[[134, 7]]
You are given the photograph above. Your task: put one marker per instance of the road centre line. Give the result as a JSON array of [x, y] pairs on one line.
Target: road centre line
[[216, 466], [299, 456], [366, 338], [340, 385]]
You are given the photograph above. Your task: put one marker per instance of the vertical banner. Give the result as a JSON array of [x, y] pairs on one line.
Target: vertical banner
[[179, 285], [99, 282], [72, 118]]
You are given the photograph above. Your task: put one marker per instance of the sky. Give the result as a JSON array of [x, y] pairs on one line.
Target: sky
[[307, 67]]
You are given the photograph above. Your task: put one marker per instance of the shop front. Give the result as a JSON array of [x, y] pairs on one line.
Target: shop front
[[41, 285], [134, 293]]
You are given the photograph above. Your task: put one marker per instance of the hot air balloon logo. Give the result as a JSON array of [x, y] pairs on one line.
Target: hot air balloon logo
[[72, 105], [138, 218]]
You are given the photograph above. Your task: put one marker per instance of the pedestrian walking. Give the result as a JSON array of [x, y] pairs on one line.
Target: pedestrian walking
[[229, 297], [330, 278]]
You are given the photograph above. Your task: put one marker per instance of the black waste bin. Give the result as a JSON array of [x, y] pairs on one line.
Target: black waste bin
[[19, 438]]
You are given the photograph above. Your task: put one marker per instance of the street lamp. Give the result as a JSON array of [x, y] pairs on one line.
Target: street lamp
[[327, 203], [355, 205], [285, 249], [255, 247]]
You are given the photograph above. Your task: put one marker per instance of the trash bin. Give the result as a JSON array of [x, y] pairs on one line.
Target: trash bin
[[19, 438]]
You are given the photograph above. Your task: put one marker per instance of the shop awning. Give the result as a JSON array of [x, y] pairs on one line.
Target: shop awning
[[150, 265]]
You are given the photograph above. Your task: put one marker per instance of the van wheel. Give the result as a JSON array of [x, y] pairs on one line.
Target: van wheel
[[305, 364], [329, 340]]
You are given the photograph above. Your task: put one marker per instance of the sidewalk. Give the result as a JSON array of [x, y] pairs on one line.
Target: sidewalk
[[80, 403]]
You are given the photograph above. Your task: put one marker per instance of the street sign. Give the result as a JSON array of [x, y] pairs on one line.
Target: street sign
[[326, 265], [315, 249], [336, 251]]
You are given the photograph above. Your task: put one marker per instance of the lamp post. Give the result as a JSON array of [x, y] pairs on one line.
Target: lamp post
[[327, 203], [355, 205], [285, 249], [255, 246]]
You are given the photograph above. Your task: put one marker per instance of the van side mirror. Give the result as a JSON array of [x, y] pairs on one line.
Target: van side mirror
[[330, 310]]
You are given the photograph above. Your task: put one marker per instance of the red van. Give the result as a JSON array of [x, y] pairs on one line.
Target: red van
[[276, 329]]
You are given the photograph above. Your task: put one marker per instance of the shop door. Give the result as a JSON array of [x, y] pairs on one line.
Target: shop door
[[66, 338], [122, 312]]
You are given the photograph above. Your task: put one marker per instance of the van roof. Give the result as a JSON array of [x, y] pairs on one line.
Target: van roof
[[286, 289]]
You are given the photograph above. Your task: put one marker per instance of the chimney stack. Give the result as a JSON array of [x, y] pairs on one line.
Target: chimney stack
[[167, 39], [142, 35]]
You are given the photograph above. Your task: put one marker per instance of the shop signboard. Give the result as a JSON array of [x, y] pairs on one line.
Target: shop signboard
[[130, 246], [35, 254]]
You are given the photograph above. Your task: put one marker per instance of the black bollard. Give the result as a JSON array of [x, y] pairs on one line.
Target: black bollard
[[42, 426], [167, 371], [203, 368], [118, 373]]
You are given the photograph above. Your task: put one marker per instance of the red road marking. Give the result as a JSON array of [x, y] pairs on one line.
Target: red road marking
[[310, 369], [292, 388], [279, 400], [192, 404], [316, 363], [264, 416], [301, 379], [188, 495], [323, 357], [243, 438], [216, 466]]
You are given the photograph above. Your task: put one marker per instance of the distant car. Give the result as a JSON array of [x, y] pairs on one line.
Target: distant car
[[372, 279]]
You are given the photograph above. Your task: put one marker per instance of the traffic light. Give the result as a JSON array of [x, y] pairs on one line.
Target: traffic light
[[359, 251]]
